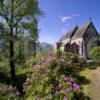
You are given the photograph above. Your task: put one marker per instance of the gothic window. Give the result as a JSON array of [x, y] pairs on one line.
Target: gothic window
[[68, 47], [72, 48], [75, 48]]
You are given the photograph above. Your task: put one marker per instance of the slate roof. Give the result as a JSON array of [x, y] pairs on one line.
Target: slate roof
[[80, 32], [68, 34], [76, 32]]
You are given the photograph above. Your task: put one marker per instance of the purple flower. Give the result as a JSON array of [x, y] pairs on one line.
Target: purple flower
[[76, 87], [66, 79], [66, 90], [17, 93], [57, 88], [38, 98], [69, 83], [65, 98], [69, 79], [70, 88]]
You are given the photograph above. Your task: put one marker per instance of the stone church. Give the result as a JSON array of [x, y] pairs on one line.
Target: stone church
[[80, 40]]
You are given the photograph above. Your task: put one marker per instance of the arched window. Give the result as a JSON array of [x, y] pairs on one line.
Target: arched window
[[71, 48], [75, 48], [67, 47]]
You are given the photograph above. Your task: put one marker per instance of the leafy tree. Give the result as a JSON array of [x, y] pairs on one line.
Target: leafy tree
[[14, 13], [32, 28], [95, 53], [20, 53]]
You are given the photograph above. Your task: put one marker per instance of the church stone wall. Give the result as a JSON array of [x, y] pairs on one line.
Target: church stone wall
[[78, 41], [91, 40], [90, 44]]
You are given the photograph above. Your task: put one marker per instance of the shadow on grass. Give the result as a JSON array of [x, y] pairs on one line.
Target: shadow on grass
[[81, 96], [82, 81], [93, 65], [4, 78], [21, 79]]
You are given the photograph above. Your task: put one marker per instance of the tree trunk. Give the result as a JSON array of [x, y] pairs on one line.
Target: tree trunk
[[34, 49], [12, 66]]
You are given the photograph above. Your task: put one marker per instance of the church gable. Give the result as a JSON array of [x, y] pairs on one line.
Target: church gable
[[90, 32]]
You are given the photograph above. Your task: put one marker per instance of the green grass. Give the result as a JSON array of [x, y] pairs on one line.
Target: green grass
[[87, 87], [92, 89], [23, 70]]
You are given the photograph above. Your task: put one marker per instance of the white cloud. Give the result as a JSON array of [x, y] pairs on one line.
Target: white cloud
[[66, 18]]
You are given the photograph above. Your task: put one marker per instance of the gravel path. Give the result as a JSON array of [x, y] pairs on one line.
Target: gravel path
[[95, 91]]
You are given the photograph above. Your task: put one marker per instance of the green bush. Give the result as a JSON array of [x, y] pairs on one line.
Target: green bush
[[95, 53]]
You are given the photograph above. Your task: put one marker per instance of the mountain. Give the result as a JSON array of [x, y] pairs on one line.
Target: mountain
[[44, 47]]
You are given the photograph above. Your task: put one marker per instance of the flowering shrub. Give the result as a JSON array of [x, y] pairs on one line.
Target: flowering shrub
[[50, 80]]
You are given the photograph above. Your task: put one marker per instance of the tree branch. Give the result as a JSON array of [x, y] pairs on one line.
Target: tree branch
[[4, 13], [20, 3]]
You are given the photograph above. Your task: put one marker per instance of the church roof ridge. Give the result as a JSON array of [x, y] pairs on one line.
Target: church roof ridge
[[81, 30], [76, 31]]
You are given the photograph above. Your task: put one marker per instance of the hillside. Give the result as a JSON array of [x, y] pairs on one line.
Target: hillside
[[44, 47]]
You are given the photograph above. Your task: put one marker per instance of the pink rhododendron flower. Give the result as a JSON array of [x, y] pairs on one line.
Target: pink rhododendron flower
[[65, 98]]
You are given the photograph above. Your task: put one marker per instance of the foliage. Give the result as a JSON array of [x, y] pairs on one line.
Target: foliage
[[95, 53], [38, 57], [20, 18], [7, 91], [52, 78]]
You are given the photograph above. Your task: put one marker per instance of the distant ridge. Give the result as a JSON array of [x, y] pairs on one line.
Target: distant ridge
[[44, 47]]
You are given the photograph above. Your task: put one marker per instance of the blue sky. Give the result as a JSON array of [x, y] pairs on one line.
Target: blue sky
[[62, 15]]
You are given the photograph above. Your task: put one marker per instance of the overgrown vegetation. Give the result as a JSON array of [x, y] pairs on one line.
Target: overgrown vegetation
[[55, 76], [48, 76]]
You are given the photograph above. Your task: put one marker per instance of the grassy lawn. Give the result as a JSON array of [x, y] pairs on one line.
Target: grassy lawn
[[92, 89], [87, 87]]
